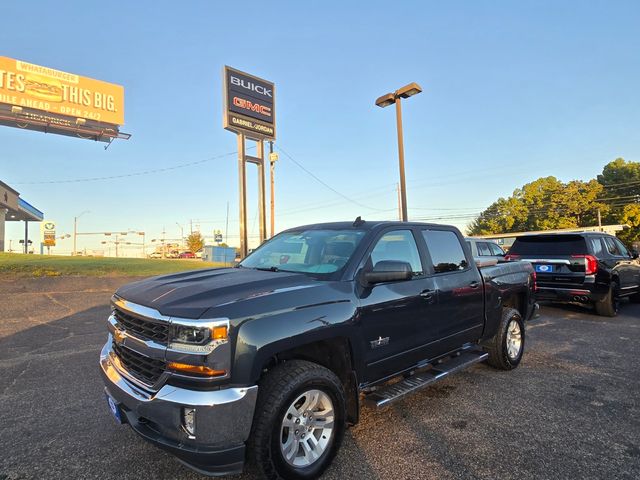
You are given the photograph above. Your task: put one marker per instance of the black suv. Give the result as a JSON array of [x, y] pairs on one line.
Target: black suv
[[587, 268]]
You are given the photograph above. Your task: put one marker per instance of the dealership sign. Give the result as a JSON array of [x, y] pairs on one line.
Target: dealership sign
[[249, 105], [48, 231]]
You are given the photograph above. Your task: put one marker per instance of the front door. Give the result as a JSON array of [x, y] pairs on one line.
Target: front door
[[390, 312]]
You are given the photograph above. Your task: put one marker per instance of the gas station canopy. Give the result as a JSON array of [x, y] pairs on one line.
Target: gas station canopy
[[17, 209]]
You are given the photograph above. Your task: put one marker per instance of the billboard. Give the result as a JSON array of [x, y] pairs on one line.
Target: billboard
[[249, 104], [58, 93], [48, 231]]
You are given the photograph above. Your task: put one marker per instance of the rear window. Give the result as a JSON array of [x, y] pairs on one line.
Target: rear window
[[550, 245]]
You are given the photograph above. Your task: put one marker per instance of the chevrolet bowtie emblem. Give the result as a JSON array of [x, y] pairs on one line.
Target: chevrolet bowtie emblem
[[118, 336]]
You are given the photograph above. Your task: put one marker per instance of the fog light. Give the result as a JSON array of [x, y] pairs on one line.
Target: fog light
[[189, 421]]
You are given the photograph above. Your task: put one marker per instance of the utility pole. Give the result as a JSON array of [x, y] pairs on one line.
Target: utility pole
[[399, 202], [599, 220], [75, 230], [164, 249], [181, 234], [226, 228], [273, 158]]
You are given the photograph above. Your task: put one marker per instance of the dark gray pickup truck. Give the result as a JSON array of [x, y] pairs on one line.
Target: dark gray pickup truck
[[268, 362]]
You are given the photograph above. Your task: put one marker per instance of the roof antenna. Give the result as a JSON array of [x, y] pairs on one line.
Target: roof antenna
[[359, 221]]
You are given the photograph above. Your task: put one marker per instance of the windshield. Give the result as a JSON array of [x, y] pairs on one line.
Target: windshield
[[320, 252]]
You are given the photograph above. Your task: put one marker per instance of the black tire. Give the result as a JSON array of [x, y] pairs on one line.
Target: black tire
[[277, 390], [610, 304], [497, 347]]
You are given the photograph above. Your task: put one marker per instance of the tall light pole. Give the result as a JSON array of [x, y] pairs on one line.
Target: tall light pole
[[75, 230], [181, 234], [384, 101]]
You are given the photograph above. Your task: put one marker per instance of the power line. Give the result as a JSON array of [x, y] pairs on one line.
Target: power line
[[325, 183], [132, 174]]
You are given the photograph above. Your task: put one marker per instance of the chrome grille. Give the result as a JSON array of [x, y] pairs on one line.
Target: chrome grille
[[142, 328], [145, 369]]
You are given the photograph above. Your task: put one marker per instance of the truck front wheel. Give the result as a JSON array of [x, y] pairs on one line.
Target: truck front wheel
[[506, 348], [299, 421]]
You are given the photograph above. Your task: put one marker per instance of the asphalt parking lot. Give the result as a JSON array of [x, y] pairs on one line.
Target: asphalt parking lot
[[570, 411]]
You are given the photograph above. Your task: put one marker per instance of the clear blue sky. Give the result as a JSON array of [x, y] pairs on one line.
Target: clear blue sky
[[512, 91]]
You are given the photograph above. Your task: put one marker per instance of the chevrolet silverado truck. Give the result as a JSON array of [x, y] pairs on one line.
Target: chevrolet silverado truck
[[268, 362]]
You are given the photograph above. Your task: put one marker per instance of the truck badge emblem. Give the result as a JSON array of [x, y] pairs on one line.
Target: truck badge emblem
[[380, 342], [118, 336]]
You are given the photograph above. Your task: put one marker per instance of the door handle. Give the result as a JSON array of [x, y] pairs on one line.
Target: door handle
[[474, 284], [427, 294]]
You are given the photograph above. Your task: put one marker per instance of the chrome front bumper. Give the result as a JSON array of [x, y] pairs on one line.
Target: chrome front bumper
[[223, 419]]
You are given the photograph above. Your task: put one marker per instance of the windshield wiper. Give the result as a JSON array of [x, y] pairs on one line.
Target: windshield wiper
[[272, 268]]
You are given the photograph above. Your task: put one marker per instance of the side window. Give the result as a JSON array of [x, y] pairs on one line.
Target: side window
[[496, 250], [612, 248], [445, 249], [483, 249], [596, 246], [623, 250], [400, 246]]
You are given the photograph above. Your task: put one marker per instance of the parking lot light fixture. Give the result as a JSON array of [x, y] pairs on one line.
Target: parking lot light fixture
[[384, 101], [409, 90]]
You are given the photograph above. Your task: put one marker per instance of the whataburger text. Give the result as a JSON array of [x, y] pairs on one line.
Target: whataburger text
[[42, 88]]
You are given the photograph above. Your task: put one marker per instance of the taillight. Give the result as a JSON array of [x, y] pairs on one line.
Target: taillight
[[511, 257], [591, 263]]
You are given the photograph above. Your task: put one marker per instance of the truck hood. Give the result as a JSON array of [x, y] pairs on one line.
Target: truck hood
[[191, 294]]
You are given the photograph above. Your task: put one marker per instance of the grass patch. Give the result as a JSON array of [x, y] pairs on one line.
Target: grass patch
[[55, 266]]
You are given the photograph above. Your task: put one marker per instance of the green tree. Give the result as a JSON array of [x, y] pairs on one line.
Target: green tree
[[630, 216], [621, 182], [544, 204], [195, 242]]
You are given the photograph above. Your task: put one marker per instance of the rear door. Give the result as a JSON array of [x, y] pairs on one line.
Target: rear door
[[457, 316], [622, 264], [559, 260]]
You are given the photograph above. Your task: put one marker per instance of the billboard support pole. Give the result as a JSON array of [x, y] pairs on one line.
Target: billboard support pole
[[242, 170]]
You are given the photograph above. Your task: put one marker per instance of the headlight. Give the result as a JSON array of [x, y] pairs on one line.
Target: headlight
[[191, 335], [199, 338]]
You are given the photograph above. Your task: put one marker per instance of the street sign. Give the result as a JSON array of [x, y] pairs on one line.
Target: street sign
[[48, 232], [218, 237], [249, 105]]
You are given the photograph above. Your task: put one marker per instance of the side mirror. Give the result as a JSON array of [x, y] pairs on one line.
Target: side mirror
[[635, 254], [388, 271]]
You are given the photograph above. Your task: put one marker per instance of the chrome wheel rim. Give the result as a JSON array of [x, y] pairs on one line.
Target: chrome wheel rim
[[514, 339], [307, 428]]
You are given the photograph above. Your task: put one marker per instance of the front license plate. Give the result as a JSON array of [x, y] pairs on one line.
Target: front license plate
[[544, 268], [115, 409]]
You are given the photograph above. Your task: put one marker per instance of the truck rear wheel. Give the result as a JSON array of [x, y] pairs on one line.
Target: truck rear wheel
[[609, 305], [506, 348], [299, 421]]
